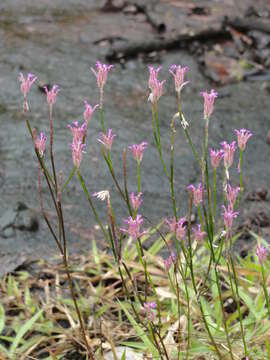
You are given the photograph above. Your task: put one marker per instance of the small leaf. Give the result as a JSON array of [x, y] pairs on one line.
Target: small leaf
[[23, 330], [2, 318]]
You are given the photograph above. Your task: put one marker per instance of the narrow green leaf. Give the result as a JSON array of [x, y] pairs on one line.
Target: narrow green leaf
[[23, 330], [2, 318], [140, 332], [123, 357]]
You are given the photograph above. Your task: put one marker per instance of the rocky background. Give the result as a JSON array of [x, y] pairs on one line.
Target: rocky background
[[60, 40]]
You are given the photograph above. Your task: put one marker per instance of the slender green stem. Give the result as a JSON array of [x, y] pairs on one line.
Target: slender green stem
[[51, 148], [194, 151], [214, 193], [138, 176], [73, 172], [38, 156], [241, 170], [220, 298], [172, 170], [125, 178], [237, 299], [101, 113], [157, 139], [124, 196], [265, 289], [201, 218], [91, 204]]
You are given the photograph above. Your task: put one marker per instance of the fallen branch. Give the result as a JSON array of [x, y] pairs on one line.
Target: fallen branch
[[133, 49]]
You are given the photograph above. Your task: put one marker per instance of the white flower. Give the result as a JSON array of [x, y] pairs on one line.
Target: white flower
[[102, 195]]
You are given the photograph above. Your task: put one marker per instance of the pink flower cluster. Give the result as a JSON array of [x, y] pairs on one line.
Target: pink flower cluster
[[40, 143], [231, 195], [178, 73], [101, 74], [228, 153], [107, 139], [199, 235], [262, 253], [137, 150], [209, 100], [134, 227], [51, 94], [155, 85], [78, 145], [148, 308], [216, 156], [178, 228], [136, 200], [88, 112], [228, 215], [242, 137], [169, 261], [197, 193], [26, 83]]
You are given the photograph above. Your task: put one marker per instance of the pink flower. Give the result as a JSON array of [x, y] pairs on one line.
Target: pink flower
[[242, 136], [178, 228], [231, 195], [136, 200], [153, 73], [262, 253], [137, 150], [172, 223], [40, 143], [134, 226], [77, 131], [169, 261], [197, 193], [199, 235], [178, 73], [51, 94], [88, 112], [148, 310], [216, 156], [209, 100], [228, 153], [26, 83], [157, 92], [107, 140], [77, 149], [101, 74], [228, 216]]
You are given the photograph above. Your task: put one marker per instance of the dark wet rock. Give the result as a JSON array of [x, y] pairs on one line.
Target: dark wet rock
[[259, 194], [26, 221], [18, 217], [200, 10], [258, 219]]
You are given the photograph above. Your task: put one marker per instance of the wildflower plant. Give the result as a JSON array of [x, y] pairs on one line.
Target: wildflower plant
[[192, 282]]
